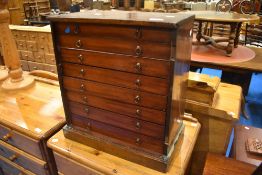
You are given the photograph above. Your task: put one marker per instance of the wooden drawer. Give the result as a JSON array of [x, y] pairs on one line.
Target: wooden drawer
[[31, 46], [118, 120], [116, 93], [35, 66], [43, 37], [98, 30], [24, 65], [43, 48], [22, 159], [20, 141], [132, 138], [21, 45], [27, 55], [50, 59], [117, 45], [23, 35], [151, 67], [68, 166], [15, 34], [33, 36], [50, 68], [10, 168], [125, 32], [147, 114], [123, 79], [39, 57]]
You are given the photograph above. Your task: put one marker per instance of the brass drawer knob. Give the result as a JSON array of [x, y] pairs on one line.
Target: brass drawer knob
[[138, 141], [82, 87], [80, 57], [138, 111], [138, 125], [82, 72], [7, 137], [12, 158], [79, 44], [138, 51], [138, 82], [85, 99], [137, 99], [138, 67], [86, 110]]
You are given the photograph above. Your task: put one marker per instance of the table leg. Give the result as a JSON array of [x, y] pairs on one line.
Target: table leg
[[232, 37], [237, 34], [199, 32]]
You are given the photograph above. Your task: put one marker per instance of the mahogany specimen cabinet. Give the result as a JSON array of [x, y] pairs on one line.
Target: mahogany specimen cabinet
[[122, 76]]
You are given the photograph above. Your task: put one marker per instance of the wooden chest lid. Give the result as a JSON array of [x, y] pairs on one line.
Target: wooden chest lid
[[203, 82], [151, 19]]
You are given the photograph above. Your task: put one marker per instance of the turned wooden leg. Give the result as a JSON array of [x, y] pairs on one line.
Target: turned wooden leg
[[232, 37], [199, 32], [237, 34]]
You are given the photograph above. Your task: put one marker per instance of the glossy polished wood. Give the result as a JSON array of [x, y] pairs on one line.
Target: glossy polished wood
[[70, 154], [135, 61]]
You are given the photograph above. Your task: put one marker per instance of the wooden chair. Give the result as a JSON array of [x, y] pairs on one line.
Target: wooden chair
[[253, 35]]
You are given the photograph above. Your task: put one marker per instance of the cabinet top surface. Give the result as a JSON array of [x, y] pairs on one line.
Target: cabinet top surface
[[34, 111], [151, 19]]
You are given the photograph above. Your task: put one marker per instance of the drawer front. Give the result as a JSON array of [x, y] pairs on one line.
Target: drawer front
[[11, 168], [27, 55], [117, 45], [20, 141], [21, 45], [35, 66], [125, 32], [146, 114], [132, 138], [118, 120], [68, 166], [50, 59], [22, 159], [32, 36], [15, 34], [116, 93], [31, 46], [123, 79], [43, 37], [24, 65], [50, 68], [39, 57], [22, 35], [98, 30], [149, 67]]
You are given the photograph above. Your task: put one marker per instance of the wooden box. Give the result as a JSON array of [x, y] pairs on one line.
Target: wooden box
[[123, 76], [202, 88], [217, 121]]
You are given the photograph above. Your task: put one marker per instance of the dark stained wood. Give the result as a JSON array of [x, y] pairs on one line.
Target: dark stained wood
[[116, 93], [128, 80], [116, 45], [220, 165], [150, 67], [241, 134], [142, 113], [118, 120], [132, 138], [122, 77]]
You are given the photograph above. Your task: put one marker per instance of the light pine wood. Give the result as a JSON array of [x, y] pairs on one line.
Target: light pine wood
[[217, 121], [109, 164], [23, 159], [10, 53], [33, 112]]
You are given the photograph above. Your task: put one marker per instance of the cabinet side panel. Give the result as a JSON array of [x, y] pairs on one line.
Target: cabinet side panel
[[182, 56]]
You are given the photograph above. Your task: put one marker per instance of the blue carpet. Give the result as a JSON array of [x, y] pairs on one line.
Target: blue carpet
[[254, 98]]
